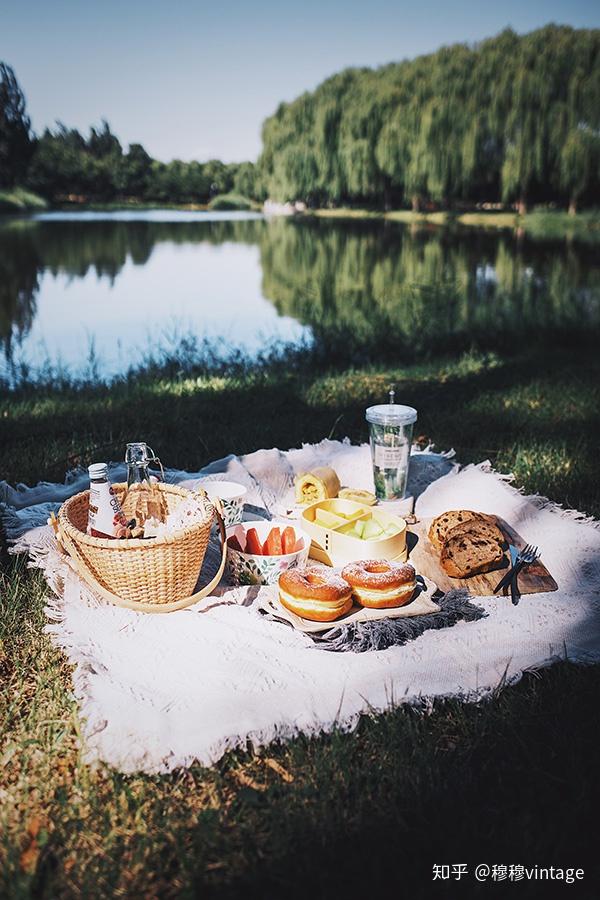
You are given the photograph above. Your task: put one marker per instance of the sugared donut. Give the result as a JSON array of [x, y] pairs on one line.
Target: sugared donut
[[315, 593], [379, 584]]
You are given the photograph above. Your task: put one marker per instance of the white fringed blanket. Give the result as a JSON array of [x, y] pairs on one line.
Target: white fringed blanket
[[157, 692]]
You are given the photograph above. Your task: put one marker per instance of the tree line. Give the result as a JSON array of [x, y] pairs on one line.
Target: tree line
[[62, 164], [513, 119]]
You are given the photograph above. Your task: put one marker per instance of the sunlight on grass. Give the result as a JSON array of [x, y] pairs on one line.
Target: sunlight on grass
[[67, 829]]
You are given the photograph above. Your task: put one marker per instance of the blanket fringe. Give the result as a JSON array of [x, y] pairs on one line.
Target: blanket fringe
[[538, 500]]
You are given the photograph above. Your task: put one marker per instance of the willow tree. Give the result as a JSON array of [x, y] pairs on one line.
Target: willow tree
[[534, 123], [513, 117], [579, 163], [16, 145], [579, 159]]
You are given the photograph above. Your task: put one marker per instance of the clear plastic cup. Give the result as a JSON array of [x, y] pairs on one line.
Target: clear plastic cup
[[390, 428]]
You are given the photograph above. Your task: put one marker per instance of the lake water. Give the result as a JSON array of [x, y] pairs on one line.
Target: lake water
[[126, 282]]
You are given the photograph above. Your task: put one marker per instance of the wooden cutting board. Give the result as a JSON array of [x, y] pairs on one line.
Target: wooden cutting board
[[533, 579]]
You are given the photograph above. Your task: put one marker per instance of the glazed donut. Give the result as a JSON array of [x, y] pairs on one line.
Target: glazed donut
[[315, 593], [378, 583]]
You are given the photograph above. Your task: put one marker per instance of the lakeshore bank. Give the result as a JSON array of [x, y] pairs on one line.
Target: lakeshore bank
[[539, 223]]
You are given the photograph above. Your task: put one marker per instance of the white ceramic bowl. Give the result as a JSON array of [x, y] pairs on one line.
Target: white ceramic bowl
[[249, 568], [231, 496]]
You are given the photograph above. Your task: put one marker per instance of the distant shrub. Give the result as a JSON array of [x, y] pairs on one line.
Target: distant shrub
[[19, 200], [229, 202], [542, 223]]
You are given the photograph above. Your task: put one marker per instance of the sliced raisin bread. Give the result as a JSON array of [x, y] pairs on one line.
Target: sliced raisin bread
[[484, 526], [441, 525], [472, 548]]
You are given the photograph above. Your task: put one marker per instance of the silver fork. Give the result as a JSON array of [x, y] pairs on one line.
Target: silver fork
[[526, 557]]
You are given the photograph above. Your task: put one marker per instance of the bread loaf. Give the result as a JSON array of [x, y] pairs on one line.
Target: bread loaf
[[470, 542], [441, 525], [470, 554], [479, 527]]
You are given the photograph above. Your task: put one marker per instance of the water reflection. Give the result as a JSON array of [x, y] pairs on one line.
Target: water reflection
[[362, 288], [19, 267], [408, 291]]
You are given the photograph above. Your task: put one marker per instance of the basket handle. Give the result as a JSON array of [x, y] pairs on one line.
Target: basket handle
[[84, 572]]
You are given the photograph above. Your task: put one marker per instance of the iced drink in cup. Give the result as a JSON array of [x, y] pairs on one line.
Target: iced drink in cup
[[390, 427]]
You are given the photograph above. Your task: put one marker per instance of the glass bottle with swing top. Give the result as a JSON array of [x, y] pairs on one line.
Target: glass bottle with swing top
[[390, 428], [138, 457], [143, 500]]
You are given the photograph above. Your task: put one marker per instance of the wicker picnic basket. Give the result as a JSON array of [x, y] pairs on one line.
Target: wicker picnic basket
[[157, 575]]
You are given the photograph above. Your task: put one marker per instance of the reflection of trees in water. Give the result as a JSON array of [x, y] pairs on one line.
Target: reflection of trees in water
[[73, 248], [377, 287], [19, 267], [361, 286]]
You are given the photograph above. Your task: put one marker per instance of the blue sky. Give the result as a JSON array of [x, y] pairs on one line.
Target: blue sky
[[195, 80]]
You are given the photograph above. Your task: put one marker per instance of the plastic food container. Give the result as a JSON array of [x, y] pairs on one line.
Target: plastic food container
[[390, 428], [332, 524]]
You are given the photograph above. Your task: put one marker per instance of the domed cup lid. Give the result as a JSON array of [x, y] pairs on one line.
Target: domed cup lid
[[391, 413]]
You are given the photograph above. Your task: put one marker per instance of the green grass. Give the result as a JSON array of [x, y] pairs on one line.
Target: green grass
[[220, 202], [127, 203], [20, 200], [535, 414], [512, 780], [539, 223]]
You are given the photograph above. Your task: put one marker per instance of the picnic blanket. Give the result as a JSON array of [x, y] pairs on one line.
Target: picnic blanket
[[158, 692]]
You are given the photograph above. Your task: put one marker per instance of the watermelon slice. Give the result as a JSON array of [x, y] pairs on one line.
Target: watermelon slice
[[288, 539], [253, 544], [273, 545], [235, 544]]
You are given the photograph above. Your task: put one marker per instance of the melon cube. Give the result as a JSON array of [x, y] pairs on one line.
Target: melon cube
[[359, 528], [326, 519], [372, 531]]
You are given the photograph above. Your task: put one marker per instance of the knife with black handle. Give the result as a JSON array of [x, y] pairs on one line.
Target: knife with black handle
[[515, 595], [514, 570]]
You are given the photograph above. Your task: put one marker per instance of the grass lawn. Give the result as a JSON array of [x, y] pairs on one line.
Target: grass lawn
[[539, 223], [510, 781]]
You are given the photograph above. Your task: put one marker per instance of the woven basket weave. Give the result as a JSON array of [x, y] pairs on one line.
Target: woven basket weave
[[157, 575]]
